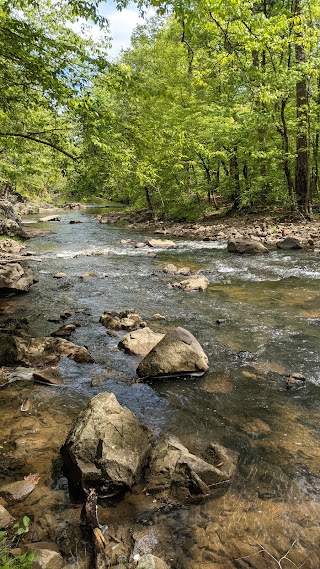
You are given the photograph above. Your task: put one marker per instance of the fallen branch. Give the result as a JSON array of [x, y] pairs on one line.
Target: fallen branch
[[277, 561], [100, 545]]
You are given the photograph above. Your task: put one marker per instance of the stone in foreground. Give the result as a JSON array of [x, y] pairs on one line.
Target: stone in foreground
[[246, 247], [177, 353], [15, 277], [6, 519], [140, 342], [107, 448], [172, 466]]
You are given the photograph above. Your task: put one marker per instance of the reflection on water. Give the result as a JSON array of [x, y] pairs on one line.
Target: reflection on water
[[271, 311]]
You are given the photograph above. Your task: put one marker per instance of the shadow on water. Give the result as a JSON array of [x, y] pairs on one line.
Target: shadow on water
[[270, 308]]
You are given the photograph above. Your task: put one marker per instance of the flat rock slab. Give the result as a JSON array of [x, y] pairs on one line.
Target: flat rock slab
[[150, 561], [246, 247], [107, 448], [177, 353], [17, 491], [162, 243], [48, 376], [49, 218], [140, 342]]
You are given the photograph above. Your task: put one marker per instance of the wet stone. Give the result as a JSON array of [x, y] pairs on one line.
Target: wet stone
[[6, 519], [17, 491], [48, 376]]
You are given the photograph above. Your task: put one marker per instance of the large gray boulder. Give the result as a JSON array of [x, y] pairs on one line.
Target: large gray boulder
[[107, 448], [140, 342], [172, 466], [246, 247], [16, 277], [177, 353], [289, 244], [10, 222]]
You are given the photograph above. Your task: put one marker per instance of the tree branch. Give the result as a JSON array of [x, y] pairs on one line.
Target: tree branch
[[38, 140]]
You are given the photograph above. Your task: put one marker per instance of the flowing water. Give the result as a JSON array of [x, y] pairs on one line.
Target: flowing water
[[270, 306]]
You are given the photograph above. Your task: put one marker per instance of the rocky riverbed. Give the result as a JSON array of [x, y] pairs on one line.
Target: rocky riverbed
[[257, 320]]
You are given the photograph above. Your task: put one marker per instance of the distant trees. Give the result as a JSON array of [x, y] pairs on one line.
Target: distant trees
[[220, 99]]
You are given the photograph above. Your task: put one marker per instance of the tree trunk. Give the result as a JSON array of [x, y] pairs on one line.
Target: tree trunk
[[302, 167], [235, 178]]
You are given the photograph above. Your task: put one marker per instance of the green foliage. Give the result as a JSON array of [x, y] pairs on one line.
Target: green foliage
[[9, 541]]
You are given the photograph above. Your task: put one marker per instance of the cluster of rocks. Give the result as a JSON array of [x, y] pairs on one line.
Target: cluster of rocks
[[109, 450], [15, 275], [175, 353], [268, 230]]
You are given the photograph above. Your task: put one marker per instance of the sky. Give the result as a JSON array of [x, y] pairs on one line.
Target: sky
[[121, 25]]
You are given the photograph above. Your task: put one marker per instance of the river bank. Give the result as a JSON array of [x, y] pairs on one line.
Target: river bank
[[269, 312], [266, 228]]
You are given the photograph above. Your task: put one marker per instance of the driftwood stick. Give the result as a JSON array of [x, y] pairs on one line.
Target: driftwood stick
[[100, 545]]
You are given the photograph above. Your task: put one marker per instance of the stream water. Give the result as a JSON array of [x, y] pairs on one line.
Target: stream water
[[271, 308]]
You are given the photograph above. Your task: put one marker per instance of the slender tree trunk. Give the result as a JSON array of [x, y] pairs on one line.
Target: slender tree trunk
[[235, 178], [148, 199], [286, 164], [302, 167]]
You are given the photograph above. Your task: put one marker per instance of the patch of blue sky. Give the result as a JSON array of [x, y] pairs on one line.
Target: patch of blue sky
[[121, 25]]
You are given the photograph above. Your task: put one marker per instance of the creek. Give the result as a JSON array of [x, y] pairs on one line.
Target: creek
[[270, 306]]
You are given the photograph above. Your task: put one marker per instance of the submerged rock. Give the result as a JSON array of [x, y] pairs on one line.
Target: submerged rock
[[177, 353], [65, 331], [48, 376], [16, 277], [17, 491], [126, 320], [171, 269], [150, 561], [246, 247], [140, 342], [172, 466], [193, 283], [107, 448]]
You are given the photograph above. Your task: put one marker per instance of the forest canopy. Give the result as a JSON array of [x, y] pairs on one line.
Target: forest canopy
[[214, 103]]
